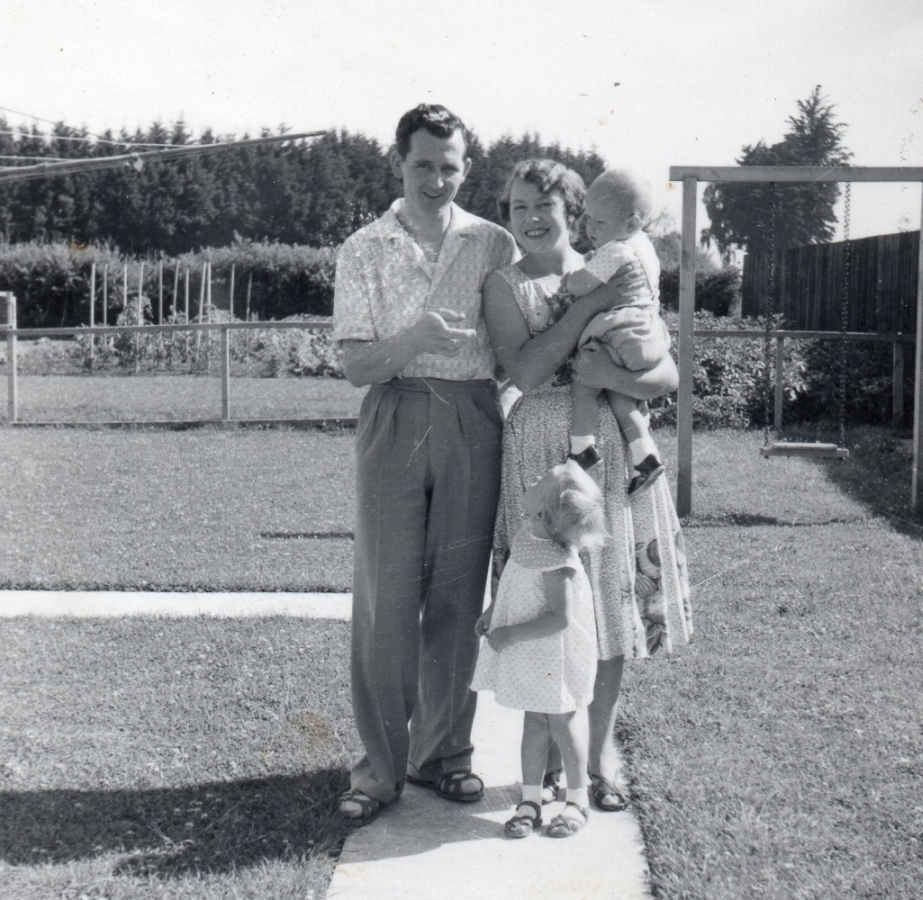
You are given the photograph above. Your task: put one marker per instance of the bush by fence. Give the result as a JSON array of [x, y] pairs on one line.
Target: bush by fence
[[716, 291], [729, 379]]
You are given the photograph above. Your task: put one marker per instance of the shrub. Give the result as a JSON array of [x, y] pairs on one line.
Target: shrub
[[52, 281], [729, 388], [717, 291]]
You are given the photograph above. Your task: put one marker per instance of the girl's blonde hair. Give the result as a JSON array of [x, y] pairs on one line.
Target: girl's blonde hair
[[573, 515]]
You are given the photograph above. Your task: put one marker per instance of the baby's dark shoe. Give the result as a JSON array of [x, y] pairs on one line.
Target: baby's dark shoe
[[587, 459], [648, 471]]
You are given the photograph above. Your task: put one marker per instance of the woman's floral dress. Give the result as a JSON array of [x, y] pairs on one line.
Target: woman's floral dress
[[639, 579]]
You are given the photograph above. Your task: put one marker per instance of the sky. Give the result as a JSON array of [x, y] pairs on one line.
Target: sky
[[647, 84]]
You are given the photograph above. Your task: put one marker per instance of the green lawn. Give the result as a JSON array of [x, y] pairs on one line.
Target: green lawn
[[776, 757], [173, 398]]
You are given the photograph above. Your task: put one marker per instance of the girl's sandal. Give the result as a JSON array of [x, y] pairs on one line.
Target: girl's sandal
[[550, 784], [564, 825], [607, 796], [359, 807], [523, 826]]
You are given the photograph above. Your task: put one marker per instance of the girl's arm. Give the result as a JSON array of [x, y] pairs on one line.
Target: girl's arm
[[559, 590], [530, 361], [595, 369]]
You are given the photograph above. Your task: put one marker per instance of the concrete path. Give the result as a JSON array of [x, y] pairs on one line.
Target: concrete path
[[422, 847], [104, 604], [425, 848]]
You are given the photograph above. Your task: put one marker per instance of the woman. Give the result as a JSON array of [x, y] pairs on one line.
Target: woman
[[639, 581]]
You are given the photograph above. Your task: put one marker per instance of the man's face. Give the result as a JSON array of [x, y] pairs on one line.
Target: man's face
[[432, 171]]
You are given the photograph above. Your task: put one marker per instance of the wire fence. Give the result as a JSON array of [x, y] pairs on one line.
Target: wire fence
[[193, 348]]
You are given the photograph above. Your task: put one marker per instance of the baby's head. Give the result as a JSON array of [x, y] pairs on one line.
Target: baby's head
[[618, 205], [568, 505]]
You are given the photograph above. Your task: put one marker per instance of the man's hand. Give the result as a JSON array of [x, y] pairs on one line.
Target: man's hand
[[435, 335]]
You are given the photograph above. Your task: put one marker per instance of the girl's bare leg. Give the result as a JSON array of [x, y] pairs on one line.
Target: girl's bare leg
[[534, 753], [571, 733]]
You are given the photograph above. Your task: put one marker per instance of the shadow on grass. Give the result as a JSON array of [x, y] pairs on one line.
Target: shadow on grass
[[747, 520], [170, 832], [878, 474]]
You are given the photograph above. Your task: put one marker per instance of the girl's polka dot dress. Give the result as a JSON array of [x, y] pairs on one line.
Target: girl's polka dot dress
[[554, 674]]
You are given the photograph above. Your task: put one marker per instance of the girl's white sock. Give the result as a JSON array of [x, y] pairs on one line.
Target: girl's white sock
[[579, 442], [580, 796], [532, 793], [640, 449]]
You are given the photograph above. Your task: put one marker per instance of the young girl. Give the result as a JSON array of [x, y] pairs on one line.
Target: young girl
[[540, 648]]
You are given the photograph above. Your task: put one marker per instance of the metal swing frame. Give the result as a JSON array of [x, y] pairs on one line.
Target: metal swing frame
[[690, 176]]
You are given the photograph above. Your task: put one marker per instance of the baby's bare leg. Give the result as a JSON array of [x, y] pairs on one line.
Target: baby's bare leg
[[584, 409], [645, 457], [629, 416]]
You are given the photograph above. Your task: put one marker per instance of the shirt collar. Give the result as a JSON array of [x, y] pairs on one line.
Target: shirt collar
[[459, 224]]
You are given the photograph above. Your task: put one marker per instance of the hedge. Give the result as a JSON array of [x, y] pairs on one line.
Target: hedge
[[52, 281]]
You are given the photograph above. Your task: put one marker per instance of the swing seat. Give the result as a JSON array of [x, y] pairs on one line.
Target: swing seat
[[817, 451]]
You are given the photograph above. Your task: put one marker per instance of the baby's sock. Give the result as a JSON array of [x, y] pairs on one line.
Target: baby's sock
[[580, 796], [640, 449], [579, 442], [532, 793]]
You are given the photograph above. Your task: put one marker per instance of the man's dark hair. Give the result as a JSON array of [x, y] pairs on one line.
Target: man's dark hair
[[436, 119]]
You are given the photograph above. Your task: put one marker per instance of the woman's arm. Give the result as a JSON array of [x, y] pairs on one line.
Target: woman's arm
[[559, 593], [530, 361], [595, 369]]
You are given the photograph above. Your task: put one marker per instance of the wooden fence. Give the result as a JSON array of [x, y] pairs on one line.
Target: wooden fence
[[809, 282]]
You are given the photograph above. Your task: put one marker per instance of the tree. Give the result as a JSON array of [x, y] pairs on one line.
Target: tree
[[746, 215]]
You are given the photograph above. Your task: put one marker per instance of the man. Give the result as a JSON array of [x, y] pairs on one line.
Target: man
[[407, 312]]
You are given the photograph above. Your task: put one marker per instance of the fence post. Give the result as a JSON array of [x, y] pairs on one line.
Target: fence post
[[225, 374], [140, 320], [92, 313], [686, 351], [231, 294], [897, 385], [11, 354], [918, 384], [780, 383]]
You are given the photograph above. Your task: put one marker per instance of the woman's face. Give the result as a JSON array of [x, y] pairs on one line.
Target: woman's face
[[538, 221]]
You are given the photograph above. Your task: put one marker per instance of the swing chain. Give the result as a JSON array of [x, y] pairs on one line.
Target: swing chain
[[769, 312], [844, 316]]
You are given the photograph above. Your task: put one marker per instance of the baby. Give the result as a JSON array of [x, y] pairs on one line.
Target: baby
[[618, 205]]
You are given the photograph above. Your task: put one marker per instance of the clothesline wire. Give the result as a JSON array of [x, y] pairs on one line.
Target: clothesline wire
[[65, 138]]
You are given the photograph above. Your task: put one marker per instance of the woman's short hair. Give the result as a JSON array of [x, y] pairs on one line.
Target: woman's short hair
[[574, 515], [547, 175], [436, 119]]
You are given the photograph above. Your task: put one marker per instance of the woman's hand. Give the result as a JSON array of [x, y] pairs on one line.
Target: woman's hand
[[595, 368], [627, 282]]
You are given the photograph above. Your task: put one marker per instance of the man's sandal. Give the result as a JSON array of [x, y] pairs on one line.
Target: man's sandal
[[521, 826], [550, 784], [451, 786], [359, 807], [564, 825], [607, 797]]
